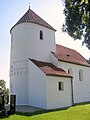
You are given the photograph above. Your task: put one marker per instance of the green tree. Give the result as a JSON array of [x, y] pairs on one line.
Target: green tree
[[77, 19], [4, 90]]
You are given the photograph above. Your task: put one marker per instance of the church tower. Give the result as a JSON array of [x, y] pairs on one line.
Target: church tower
[[31, 37]]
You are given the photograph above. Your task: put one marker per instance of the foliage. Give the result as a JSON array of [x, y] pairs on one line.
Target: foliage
[[4, 90], [79, 112], [2, 84], [77, 19]]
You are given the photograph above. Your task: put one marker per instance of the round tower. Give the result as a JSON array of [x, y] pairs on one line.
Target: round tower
[[31, 37]]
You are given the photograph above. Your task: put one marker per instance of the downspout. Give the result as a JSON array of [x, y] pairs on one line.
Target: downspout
[[72, 91]]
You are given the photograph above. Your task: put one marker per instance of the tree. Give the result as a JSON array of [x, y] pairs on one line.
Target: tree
[[77, 19], [4, 90]]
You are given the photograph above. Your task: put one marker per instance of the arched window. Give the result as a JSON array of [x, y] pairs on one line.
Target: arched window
[[60, 86], [80, 75], [41, 35]]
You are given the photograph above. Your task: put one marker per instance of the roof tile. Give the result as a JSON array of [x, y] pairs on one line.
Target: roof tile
[[69, 55], [32, 17], [50, 69]]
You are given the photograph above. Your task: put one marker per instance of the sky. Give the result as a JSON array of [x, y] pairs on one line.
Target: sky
[[50, 10]]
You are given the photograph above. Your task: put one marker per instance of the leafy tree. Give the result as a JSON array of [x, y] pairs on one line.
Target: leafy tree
[[4, 90], [77, 19]]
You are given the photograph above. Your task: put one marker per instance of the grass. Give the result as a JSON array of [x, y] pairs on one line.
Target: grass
[[79, 112]]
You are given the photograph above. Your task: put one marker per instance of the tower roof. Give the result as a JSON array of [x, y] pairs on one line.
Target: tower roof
[[32, 17]]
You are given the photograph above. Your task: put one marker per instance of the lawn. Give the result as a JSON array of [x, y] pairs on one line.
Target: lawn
[[79, 112]]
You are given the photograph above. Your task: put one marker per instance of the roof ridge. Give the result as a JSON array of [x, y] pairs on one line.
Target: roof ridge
[[66, 47]]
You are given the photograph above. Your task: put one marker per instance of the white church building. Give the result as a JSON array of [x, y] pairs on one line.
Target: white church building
[[42, 73]]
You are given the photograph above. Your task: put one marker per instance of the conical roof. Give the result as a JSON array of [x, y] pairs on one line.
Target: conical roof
[[32, 17]]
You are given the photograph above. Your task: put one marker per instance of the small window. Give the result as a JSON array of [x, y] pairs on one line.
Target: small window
[[60, 86], [80, 75], [68, 71], [41, 35]]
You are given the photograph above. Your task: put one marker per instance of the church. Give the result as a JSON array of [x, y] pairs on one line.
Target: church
[[42, 73]]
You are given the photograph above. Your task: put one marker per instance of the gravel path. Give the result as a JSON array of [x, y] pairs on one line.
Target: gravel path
[[24, 108], [27, 109]]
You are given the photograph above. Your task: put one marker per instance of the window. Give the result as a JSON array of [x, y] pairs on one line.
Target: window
[[80, 75], [60, 86], [41, 35]]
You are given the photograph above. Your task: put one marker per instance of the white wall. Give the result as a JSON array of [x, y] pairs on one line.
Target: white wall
[[54, 60], [81, 89], [56, 98], [43, 90], [19, 82], [26, 42], [37, 86]]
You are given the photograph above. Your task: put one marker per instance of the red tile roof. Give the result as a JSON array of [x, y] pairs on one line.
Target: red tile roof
[[69, 55], [49, 69], [32, 17]]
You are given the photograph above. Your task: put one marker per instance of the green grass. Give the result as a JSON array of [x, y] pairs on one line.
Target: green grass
[[79, 112]]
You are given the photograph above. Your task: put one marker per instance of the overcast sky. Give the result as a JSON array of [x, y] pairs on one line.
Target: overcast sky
[[50, 10]]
